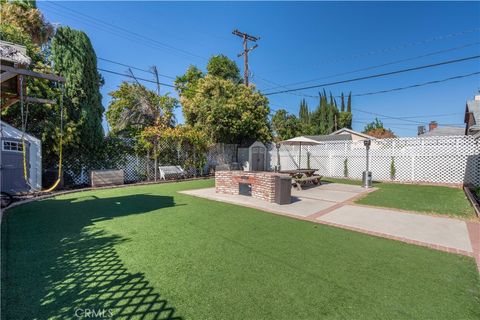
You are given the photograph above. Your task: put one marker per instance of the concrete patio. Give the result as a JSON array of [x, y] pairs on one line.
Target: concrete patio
[[332, 204]]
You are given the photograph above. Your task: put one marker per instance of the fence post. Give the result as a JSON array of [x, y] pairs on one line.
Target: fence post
[[413, 168], [330, 163]]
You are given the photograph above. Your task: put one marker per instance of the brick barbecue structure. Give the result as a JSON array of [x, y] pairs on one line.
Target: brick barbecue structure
[[234, 182]]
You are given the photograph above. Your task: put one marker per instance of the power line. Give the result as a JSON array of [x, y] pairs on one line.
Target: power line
[[416, 85], [378, 75], [134, 68], [137, 78], [373, 67], [399, 47], [123, 30]]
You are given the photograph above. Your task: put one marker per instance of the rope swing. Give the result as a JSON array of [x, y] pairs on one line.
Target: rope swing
[[24, 116]]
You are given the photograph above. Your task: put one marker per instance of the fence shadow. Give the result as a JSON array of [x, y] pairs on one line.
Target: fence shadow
[[472, 171], [57, 264]]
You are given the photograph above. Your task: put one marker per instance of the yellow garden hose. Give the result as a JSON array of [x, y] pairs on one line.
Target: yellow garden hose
[[24, 150]]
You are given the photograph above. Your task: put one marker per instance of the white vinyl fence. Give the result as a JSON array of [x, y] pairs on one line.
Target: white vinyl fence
[[446, 160]]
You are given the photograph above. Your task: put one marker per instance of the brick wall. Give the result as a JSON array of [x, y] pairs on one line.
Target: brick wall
[[263, 183]]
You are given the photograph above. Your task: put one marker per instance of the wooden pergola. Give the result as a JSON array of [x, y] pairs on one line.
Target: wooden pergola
[[13, 66]]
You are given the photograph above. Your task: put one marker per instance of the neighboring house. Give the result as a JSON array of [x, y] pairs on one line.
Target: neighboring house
[[435, 131], [472, 117], [353, 134], [342, 135]]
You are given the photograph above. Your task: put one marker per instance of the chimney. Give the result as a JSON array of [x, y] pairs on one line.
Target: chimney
[[432, 125], [421, 130]]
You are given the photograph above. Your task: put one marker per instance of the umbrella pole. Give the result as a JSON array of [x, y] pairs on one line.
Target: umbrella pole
[[299, 156]]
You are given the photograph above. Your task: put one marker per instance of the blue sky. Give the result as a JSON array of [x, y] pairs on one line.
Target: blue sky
[[300, 41]]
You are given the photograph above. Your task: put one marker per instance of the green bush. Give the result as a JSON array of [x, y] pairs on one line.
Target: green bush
[[477, 192]]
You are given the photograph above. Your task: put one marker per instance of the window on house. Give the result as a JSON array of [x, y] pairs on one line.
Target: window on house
[[12, 146]]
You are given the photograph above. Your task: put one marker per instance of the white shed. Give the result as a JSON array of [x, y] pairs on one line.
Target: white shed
[[252, 156], [11, 160]]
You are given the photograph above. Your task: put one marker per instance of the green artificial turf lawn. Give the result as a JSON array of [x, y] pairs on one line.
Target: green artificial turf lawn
[[147, 252], [422, 198]]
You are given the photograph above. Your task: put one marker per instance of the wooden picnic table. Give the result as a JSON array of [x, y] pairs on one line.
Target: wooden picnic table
[[301, 176]]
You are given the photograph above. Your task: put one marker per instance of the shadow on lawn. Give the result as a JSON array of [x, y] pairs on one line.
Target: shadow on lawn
[[56, 264]]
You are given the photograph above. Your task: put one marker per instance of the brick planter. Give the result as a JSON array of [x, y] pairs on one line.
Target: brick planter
[[263, 183]]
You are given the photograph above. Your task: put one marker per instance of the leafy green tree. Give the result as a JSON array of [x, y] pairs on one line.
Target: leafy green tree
[[186, 84], [75, 59], [218, 103], [227, 112], [345, 120], [43, 119], [25, 16], [133, 108], [285, 125], [222, 67], [377, 130]]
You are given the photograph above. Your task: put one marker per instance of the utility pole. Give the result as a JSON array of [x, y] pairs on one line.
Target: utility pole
[[246, 37]]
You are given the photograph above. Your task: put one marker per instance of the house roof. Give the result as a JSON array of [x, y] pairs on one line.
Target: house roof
[[339, 137], [445, 131], [14, 53], [350, 131], [9, 132], [473, 106]]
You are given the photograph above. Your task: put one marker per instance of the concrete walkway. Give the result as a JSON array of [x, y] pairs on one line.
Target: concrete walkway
[[332, 204]]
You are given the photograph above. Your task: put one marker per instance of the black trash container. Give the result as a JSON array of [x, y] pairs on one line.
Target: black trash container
[[283, 189]]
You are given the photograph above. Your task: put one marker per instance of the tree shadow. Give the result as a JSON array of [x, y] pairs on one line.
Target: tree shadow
[[57, 264]]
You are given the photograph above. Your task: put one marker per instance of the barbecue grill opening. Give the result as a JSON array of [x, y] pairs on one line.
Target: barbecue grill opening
[[245, 189]]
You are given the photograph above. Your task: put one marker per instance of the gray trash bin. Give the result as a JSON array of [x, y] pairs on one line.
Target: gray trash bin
[[367, 179], [283, 189]]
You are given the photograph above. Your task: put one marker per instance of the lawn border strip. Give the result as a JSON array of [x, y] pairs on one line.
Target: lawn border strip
[[474, 235], [401, 239], [473, 219], [473, 201]]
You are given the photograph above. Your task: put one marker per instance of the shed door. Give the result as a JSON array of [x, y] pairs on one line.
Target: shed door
[[258, 159], [11, 170]]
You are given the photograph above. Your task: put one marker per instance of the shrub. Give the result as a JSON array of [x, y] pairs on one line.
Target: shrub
[[393, 170]]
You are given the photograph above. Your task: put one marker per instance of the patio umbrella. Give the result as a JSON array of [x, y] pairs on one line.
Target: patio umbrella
[[299, 141]]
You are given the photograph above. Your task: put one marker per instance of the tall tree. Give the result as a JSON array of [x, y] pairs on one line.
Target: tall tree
[[227, 112], [221, 105], [285, 125], [75, 59], [304, 114], [222, 67], [349, 102], [134, 107], [342, 107]]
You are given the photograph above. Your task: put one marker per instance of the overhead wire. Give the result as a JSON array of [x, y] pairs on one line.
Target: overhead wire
[[379, 75]]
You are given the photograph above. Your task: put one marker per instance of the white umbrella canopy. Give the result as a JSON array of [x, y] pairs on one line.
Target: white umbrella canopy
[[299, 141]]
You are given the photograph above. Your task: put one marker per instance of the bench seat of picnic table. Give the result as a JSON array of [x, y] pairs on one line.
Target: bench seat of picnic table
[[298, 182]]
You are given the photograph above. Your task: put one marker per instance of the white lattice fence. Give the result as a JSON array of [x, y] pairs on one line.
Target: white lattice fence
[[449, 160]]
